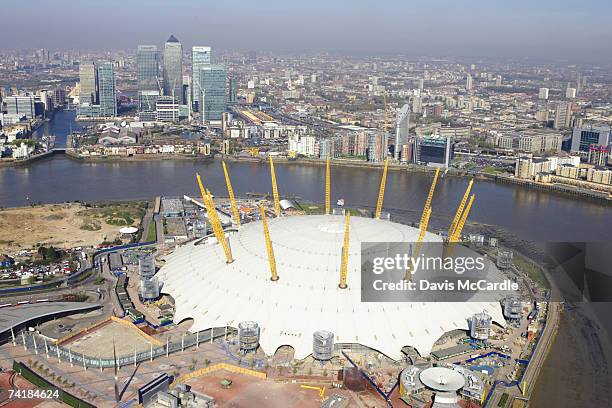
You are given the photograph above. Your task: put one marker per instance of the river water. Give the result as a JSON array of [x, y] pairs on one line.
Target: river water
[[532, 215]]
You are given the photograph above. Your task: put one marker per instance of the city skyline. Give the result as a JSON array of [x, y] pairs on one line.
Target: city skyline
[[475, 29]]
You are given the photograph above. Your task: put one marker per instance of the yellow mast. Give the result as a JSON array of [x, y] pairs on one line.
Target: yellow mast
[[269, 249], [230, 192], [419, 243], [423, 228], [457, 233], [460, 209], [381, 192], [345, 248], [327, 188], [214, 220], [277, 210], [430, 196]]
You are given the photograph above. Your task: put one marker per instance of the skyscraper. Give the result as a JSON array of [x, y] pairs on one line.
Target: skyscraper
[[469, 82], [106, 89], [173, 68], [401, 130], [147, 62], [213, 96], [543, 93], [88, 79], [233, 87], [563, 115], [200, 57]]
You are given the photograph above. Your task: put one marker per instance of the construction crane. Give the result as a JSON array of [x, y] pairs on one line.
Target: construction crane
[[457, 233], [277, 210], [269, 249], [214, 220], [381, 192], [327, 188], [320, 389], [345, 248], [460, 209], [230, 192]]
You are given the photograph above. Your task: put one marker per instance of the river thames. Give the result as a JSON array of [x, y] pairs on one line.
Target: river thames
[[532, 215]]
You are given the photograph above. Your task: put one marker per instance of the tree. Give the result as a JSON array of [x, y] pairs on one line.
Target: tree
[[51, 254]]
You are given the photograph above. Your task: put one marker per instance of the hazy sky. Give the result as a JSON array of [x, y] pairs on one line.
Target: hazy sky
[[531, 28]]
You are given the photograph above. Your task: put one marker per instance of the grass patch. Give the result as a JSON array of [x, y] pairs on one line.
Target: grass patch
[[151, 232], [492, 170], [532, 270], [91, 225], [503, 400], [117, 214]]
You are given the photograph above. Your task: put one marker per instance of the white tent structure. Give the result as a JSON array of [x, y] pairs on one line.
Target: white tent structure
[[306, 298]]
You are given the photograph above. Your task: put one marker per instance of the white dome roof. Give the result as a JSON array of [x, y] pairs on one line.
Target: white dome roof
[[306, 298]]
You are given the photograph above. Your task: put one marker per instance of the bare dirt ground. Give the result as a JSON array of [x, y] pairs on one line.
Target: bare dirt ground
[[59, 225], [252, 392], [100, 341]]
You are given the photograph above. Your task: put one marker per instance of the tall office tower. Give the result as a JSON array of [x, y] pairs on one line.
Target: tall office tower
[[59, 97], [421, 84], [498, 80], [213, 96], [401, 130], [578, 82], [106, 89], [585, 136], [147, 65], [469, 83], [88, 78], [233, 89], [173, 68], [200, 56], [186, 109], [543, 93], [563, 115], [417, 104], [570, 93]]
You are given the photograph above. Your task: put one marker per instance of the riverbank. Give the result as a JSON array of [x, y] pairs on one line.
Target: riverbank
[[26, 161], [137, 158], [411, 168]]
